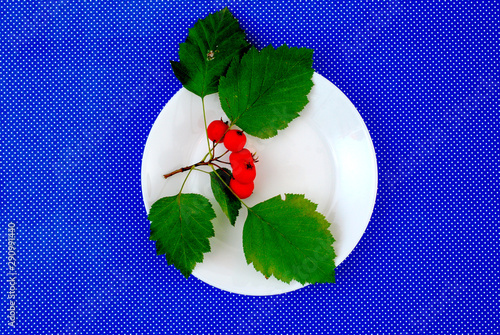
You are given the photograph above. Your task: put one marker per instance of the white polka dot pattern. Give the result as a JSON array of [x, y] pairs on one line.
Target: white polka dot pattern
[[82, 83]]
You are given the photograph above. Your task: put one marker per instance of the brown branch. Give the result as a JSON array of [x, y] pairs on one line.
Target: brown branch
[[186, 168], [201, 163]]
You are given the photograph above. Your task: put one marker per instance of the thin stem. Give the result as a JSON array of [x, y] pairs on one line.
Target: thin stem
[[201, 170], [217, 160], [185, 179], [205, 157], [213, 164], [206, 127]]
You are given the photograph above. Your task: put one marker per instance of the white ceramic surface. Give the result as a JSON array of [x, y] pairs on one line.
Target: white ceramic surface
[[326, 154]]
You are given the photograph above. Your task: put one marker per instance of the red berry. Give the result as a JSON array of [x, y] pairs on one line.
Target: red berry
[[216, 130], [243, 155], [243, 191], [235, 140], [244, 172]]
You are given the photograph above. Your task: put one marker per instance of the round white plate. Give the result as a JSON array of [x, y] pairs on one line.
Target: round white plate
[[326, 154]]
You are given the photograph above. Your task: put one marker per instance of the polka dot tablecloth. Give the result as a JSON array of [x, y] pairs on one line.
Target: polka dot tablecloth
[[81, 85]]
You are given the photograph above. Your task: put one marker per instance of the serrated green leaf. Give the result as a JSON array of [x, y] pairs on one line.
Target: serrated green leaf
[[181, 226], [264, 91], [211, 45], [228, 202], [290, 240]]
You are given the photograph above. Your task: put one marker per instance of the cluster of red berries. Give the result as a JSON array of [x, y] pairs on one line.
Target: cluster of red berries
[[241, 159]]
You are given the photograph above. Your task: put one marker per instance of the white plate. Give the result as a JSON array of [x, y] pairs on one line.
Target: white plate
[[326, 154]]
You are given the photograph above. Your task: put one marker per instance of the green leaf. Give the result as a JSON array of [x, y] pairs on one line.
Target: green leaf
[[290, 240], [181, 226], [208, 51], [264, 91], [229, 203]]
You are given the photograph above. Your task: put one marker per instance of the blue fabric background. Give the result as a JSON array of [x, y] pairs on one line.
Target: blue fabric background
[[82, 83]]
